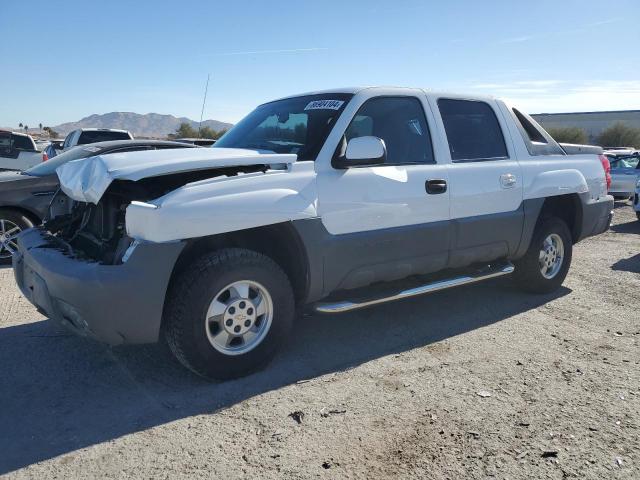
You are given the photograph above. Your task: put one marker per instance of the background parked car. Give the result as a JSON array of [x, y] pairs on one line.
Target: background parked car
[[53, 149], [17, 151], [83, 136], [25, 196], [201, 142], [41, 144], [624, 174]]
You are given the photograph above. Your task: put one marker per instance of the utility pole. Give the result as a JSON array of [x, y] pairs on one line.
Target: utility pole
[[203, 102]]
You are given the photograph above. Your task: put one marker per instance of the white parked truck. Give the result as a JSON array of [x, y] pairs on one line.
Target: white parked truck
[[18, 151], [84, 136], [334, 200]]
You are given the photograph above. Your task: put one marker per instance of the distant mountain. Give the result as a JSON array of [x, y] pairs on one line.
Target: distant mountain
[[153, 125]]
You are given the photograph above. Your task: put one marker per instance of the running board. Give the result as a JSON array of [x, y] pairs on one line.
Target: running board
[[491, 271]]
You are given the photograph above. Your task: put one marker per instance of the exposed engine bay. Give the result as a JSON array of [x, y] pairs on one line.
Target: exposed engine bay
[[97, 232]]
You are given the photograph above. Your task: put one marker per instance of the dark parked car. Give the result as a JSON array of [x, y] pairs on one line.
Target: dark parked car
[[25, 196]]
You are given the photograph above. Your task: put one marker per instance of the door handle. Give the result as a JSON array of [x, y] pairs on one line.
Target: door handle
[[436, 186], [508, 180]]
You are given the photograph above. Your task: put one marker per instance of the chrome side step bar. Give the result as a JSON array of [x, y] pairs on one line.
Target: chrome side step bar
[[348, 305]]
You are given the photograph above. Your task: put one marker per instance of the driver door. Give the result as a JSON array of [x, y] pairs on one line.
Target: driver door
[[386, 221]]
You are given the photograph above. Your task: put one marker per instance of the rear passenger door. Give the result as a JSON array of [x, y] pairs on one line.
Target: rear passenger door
[[485, 181]]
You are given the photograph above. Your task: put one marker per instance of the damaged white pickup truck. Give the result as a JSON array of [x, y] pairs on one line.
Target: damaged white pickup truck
[[335, 200]]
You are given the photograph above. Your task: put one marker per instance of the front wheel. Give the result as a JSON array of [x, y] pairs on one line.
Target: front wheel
[[546, 263], [228, 313]]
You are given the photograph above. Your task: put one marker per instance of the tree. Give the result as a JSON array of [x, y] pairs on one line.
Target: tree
[[52, 133], [569, 135], [620, 135], [20, 125], [208, 132], [40, 125], [26, 129], [185, 130]]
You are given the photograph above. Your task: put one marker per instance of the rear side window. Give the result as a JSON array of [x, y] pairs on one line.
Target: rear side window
[[473, 131], [22, 143], [101, 136], [401, 123]]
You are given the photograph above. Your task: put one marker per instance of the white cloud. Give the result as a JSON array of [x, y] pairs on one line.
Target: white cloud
[[264, 52], [585, 27], [536, 96]]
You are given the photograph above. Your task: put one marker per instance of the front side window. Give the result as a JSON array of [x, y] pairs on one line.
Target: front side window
[[400, 122], [298, 125], [472, 129]]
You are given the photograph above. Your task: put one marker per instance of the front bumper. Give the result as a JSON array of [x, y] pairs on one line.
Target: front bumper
[[112, 303]]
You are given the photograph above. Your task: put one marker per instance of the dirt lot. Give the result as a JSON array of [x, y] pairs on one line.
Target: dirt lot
[[477, 382]]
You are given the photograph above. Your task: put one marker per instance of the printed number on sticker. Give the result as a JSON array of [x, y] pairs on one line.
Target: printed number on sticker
[[324, 105]]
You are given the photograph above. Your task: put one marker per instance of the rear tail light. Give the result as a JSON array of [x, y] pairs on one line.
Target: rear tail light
[[607, 169], [45, 157]]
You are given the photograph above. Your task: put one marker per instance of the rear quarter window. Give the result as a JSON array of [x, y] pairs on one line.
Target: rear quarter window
[[537, 141]]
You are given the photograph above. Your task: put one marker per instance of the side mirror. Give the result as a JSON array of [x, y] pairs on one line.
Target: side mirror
[[365, 151]]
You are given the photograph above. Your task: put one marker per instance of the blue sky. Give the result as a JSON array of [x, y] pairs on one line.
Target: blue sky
[[63, 60]]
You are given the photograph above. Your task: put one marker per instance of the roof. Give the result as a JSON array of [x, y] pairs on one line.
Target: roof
[[95, 129], [16, 133], [356, 90]]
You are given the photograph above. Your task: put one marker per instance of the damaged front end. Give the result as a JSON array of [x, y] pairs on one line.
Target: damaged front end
[[97, 232]]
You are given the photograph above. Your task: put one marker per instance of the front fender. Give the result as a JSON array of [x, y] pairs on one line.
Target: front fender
[[222, 207], [556, 182]]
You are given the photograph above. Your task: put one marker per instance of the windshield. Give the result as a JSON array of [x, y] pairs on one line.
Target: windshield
[[49, 167], [297, 125]]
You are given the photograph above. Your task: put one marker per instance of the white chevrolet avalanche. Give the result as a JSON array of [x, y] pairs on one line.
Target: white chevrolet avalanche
[[308, 202]]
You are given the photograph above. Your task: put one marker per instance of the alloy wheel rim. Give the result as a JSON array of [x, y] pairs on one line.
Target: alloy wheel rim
[[239, 317], [8, 233], [551, 256]]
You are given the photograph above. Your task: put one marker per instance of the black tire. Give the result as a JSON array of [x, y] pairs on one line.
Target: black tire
[[16, 218], [528, 274], [638, 214], [193, 291]]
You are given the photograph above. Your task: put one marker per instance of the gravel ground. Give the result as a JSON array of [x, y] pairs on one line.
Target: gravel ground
[[482, 381]]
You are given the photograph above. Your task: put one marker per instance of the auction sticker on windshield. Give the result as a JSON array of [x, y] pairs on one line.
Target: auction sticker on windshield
[[324, 105]]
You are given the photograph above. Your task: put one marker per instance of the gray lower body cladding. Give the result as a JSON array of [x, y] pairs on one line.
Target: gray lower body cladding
[[112, 303], [353, 260]]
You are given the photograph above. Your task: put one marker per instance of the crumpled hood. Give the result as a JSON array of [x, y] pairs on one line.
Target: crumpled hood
[[87, 179]]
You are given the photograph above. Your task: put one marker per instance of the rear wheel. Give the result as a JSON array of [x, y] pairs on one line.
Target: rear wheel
[[11, 224], [546, 263], [228, 313]]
